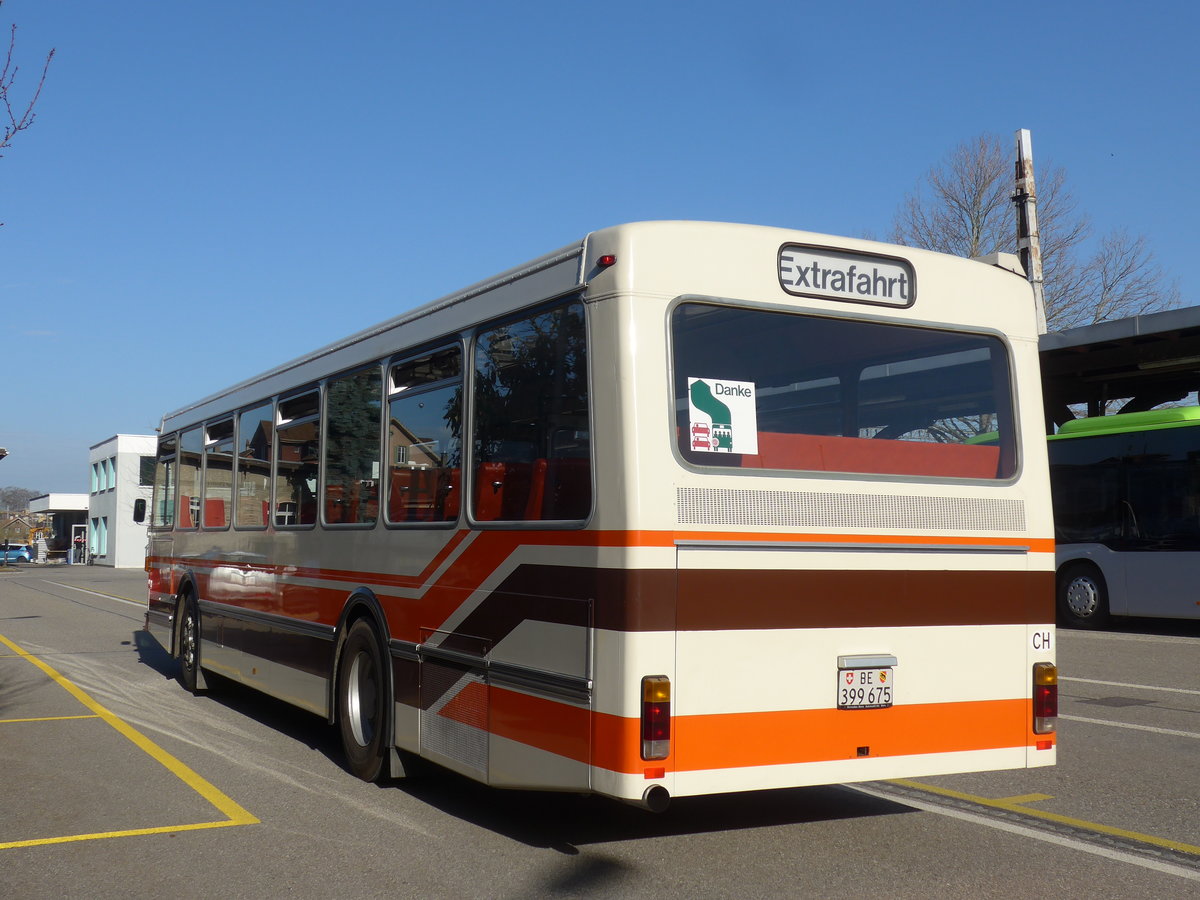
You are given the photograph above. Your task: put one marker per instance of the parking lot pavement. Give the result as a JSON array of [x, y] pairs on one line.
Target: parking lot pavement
[[74, 771], [94, 734]]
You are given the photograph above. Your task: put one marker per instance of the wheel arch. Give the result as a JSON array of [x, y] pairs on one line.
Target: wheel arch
[[187, 582], [363, 604]]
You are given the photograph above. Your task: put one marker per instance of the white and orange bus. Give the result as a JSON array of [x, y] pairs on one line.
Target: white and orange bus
[[681, 508]]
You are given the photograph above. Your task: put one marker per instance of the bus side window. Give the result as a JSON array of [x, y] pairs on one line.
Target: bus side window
[[162, 508], [256, 432], [424, 449], [218, 473], [531, 435], [191, 451], [352, 448], [297, 469]]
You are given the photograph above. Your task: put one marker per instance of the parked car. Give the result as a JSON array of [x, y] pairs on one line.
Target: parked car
[[16, 553]]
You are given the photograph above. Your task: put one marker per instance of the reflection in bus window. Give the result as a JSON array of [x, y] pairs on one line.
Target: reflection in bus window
[[191, 448], [218, 473], [532, 448], [163, 512], [256, 430], [298, 439], [768, 390], [352, 449], [424, 445]]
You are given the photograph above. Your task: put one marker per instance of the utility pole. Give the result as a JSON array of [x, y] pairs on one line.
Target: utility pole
[[1029, 247]]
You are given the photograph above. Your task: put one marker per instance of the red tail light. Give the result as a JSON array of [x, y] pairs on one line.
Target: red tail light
[[1045, 697], [656, 717]]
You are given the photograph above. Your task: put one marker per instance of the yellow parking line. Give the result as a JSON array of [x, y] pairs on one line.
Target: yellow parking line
[[234, 813], [45, 719], [1012, 805], [99, 835], [1021, 799]]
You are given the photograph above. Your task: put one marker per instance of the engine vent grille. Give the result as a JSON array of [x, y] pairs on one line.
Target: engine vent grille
[[454, 715]]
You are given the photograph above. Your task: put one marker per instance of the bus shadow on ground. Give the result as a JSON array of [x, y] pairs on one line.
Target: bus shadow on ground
[[151, 654], [545, 819], [290, 721], [564, 822]]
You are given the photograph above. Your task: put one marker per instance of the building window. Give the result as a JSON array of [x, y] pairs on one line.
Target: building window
[[146, 471]]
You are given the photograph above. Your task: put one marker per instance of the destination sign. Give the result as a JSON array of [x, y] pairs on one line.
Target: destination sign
[[854, 277]]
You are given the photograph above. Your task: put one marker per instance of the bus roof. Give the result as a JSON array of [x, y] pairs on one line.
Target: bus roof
[[699, 258], [1124, 423]]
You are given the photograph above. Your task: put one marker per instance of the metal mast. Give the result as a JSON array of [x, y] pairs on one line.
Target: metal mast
[[1029, 246]]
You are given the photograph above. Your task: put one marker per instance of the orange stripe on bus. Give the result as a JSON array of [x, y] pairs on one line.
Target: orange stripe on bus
[[740, 740], [556, 727], [503, 543], [488, 550], [469, 706]]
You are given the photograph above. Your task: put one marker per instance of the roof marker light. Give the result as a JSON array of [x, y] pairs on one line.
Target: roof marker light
[[606, 260]]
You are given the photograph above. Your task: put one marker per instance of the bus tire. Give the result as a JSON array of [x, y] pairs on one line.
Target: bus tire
[[1082, 596], [189, 643], [362, 701]]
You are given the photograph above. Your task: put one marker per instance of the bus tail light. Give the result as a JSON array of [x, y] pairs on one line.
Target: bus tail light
[[656, 717], [1045, 697]]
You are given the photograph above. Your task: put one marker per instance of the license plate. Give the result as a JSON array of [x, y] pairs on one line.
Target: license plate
[[865, 688]]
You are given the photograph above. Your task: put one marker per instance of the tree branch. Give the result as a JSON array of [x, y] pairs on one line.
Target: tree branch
[[17, 117]]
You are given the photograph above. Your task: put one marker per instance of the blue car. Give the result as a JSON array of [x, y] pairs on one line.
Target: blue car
[[16, 553]]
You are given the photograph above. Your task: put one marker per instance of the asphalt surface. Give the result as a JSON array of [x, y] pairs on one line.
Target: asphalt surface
[[115, 782]]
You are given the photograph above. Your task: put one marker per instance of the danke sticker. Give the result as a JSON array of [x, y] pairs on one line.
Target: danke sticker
[[722, 416]]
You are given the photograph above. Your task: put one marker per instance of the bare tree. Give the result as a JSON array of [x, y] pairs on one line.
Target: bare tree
[[18, 116], [964, 206], [961, 208], [1122, 279]]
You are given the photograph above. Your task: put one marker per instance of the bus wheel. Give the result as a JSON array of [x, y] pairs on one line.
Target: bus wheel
[[189, 643], [1082, 596], [362, 689]]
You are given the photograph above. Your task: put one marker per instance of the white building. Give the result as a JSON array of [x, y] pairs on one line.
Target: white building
[[122, 471]]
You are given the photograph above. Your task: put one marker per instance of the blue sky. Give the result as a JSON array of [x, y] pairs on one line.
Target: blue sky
[[214, 188]]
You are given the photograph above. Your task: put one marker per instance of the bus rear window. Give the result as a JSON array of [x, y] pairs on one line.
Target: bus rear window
[[780, 391]]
